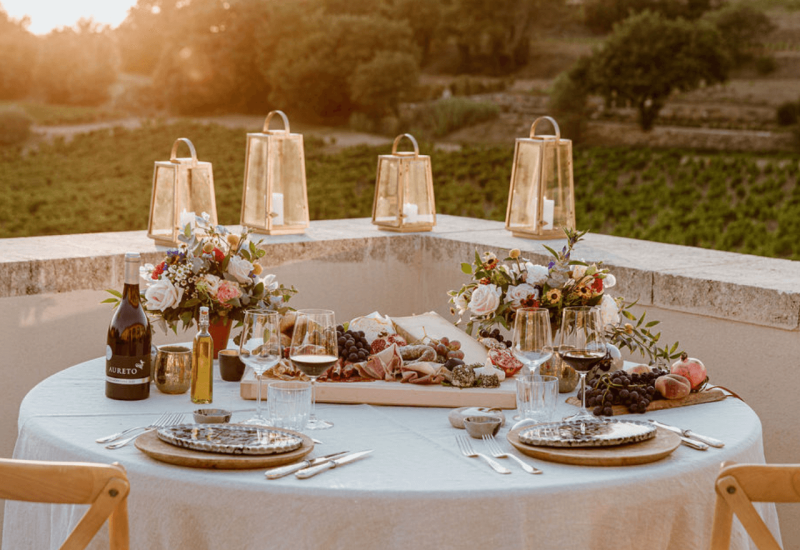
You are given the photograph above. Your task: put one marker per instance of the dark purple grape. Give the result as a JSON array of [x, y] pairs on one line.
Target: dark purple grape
[[353, 358]]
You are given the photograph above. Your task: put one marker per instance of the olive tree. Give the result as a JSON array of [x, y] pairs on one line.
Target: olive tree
[[648, 57]]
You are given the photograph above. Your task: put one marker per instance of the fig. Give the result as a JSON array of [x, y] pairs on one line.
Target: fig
[[691, 368], [673, 386]]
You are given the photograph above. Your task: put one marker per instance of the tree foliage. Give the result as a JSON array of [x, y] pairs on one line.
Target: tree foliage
[[648, 57], [77, 65], [18, 50], [743, 29], [601, 15]]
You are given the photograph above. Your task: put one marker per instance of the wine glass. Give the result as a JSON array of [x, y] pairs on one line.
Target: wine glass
[[260, 348], [314, 349], [533, 337], [582, 346]]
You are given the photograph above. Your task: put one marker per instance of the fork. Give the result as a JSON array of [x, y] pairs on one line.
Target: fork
[[171, 420], [467, 450], [157, 424], [497, 452]]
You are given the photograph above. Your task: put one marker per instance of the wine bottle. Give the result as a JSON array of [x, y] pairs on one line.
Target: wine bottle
[[128, 342], [203, 362]]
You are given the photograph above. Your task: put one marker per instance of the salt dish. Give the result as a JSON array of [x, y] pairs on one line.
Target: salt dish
[[212, 416], [478, 426]]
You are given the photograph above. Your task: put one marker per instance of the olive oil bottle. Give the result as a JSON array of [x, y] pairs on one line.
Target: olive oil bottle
[[203, 362]]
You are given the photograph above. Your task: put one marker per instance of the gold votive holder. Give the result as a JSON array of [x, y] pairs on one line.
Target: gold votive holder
[[173, 369]]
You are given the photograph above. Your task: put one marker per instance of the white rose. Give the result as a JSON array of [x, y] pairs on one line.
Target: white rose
[[269, 282], [609, 281], [211, 282], [485, 299], [240, 268], [520, 292], [461, 302], [578, 272], [609, 311], [163, 295], [536, 274]]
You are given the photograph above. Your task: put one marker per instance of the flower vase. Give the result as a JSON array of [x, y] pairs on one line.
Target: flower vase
[[220, 331]]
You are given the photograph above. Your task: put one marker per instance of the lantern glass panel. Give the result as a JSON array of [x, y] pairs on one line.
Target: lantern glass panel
[[387, 207], [163, 202], [196, 187], [255, 205], [525, 191], [417, 205], [288, 182]]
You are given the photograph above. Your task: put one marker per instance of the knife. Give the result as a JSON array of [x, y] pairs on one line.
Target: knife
[[330, 464], [281, 471], [690, 434]]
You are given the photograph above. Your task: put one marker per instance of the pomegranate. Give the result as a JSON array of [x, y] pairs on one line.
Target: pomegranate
[[691, 368]]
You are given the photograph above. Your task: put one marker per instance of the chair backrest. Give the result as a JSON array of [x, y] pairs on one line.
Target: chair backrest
[[738, 486], [104, 487]]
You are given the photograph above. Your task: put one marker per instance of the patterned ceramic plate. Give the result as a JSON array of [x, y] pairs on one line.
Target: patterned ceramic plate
[[599, 433], [234, 439]]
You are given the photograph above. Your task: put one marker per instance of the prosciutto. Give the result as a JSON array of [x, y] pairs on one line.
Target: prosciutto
[[385, 365], [424, 372]]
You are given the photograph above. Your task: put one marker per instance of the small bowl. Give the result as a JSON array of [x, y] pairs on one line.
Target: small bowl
[[478, 426], [212, 416]]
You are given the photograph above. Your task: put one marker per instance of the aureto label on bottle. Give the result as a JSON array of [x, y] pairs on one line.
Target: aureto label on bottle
[[127, 370]]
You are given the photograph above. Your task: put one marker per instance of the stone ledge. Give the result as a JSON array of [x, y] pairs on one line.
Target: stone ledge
[[752, 289]]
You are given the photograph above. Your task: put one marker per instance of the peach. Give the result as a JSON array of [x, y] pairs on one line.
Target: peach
[[673, 386]]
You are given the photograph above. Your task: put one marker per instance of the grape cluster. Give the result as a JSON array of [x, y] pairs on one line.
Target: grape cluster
[[635, 391], [447, 349], [495, 334], [353, 346]]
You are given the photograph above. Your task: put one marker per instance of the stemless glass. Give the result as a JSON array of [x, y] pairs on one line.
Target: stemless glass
[[582, 346], [260, 348], [533, 337], [314, 349]]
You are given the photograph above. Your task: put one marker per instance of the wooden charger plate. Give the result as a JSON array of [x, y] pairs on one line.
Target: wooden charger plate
[[153, 447], [621, 455]]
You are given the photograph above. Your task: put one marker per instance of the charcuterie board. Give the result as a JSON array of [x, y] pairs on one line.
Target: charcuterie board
[[381, 392], [707, 396]]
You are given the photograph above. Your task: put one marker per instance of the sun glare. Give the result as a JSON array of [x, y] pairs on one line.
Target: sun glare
[[46, 15]]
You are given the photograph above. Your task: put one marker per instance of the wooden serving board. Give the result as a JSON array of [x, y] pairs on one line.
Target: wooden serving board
[[381, 392], [661, 446], [152, 446], [708, 396]]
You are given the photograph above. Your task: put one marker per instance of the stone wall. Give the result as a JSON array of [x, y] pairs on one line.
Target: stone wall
[[740, 314]]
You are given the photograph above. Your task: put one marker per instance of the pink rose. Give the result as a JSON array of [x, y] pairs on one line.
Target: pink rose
[[227, 291], [485, 299]]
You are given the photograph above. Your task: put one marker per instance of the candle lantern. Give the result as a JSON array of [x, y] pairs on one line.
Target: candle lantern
[[182, 187], [404, 191], [274, 200], [541, 200]]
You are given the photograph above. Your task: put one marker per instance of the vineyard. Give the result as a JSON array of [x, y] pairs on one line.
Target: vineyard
[[101, 181]]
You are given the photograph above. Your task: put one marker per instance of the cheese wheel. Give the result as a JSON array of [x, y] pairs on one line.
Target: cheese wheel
[[415, 329]]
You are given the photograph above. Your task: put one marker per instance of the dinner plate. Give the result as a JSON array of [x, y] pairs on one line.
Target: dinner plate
[[604, 432], [235, 439]]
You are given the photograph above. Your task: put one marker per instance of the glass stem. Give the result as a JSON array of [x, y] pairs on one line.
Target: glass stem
[[258, 395], [583, 392], [313, 416]]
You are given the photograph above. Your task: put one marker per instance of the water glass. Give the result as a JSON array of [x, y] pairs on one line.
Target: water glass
[[537, 396], [289, 404]]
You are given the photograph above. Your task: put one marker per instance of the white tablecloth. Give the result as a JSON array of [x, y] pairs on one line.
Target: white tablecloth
[[415, 491]]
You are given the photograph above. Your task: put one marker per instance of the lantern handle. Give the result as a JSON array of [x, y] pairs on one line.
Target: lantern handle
[[413, 141], [174, 155], [282, 115], [552, 121]]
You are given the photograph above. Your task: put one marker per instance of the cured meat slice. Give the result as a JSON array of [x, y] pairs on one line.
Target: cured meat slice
[[424, 372]]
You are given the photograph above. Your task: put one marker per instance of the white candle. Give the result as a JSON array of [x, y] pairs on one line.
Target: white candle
[[548, 209], [277, 209], [411, 212], [186, 218]]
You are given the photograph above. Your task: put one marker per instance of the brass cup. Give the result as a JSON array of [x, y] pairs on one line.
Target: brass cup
[[173, 369]]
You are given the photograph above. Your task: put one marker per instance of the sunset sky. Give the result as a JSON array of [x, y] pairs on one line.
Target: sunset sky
[[49, 14]]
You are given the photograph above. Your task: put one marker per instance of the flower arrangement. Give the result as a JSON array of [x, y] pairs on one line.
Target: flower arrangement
[[499, 288], [214, 268]]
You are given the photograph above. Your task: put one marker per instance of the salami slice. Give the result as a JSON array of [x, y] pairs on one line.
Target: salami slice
[[503, 359]]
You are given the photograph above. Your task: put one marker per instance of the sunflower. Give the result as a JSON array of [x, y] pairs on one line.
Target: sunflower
[[553, 296], [584, 292]]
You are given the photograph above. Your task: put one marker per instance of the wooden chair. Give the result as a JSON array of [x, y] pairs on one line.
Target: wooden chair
[[104, 486], [738, 486]]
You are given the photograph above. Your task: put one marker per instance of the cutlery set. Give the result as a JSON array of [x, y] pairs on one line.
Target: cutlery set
[[691, 439], [308, 468], [166, 419]]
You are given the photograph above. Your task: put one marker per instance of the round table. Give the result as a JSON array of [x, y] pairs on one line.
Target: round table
[[415, 491]]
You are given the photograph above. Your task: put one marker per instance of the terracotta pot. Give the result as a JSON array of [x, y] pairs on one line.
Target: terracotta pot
[[220, 331]]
